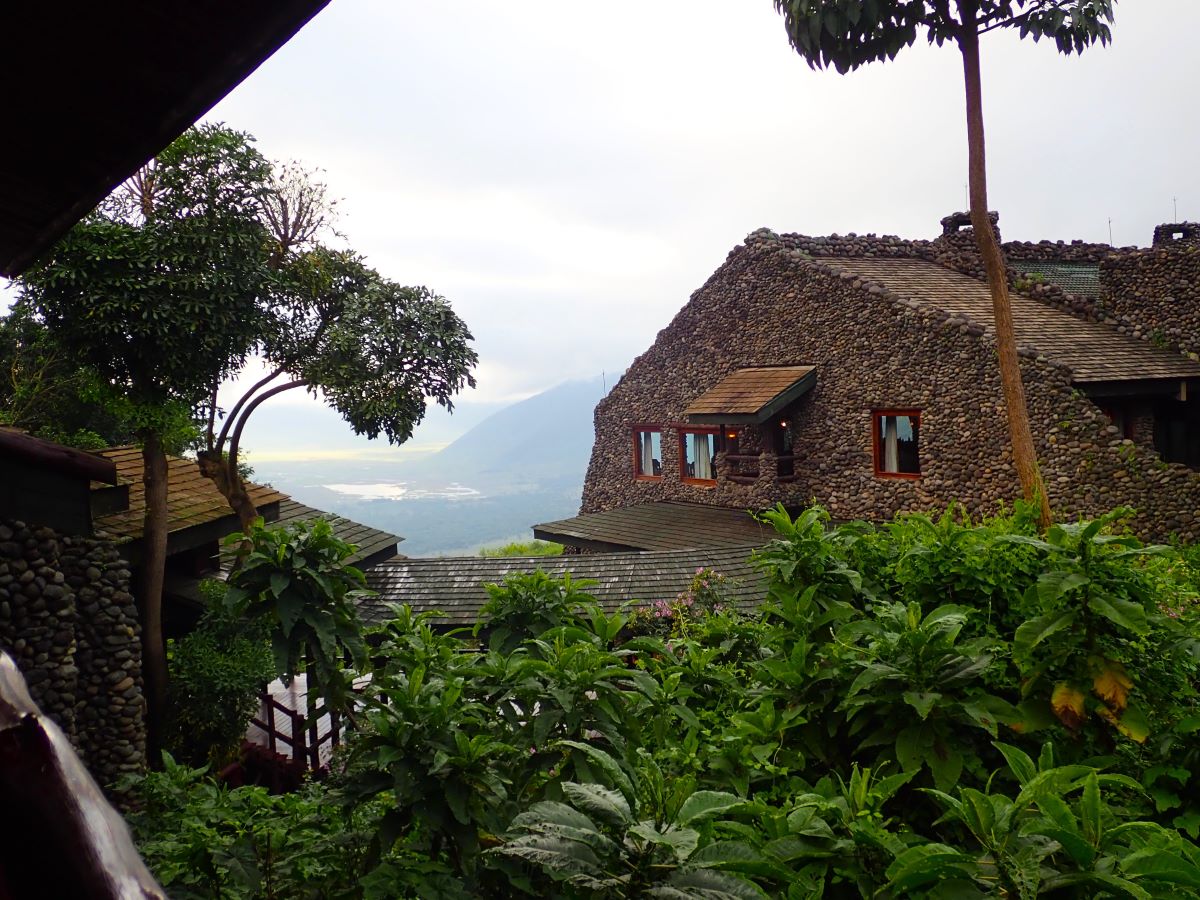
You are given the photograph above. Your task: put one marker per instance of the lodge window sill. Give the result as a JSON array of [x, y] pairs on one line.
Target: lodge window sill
[[701, 482]]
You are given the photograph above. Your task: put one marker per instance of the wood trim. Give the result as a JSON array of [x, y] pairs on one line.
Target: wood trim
[[635, 430], [56, 457], [900, 411], [682, 434]]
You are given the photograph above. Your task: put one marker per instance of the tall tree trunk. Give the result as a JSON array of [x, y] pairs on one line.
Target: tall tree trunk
[[150, 590], [1024, 455], [222, 471]]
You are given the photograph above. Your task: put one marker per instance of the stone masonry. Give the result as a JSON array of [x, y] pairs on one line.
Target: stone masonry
[[68, 620], [779, 299]]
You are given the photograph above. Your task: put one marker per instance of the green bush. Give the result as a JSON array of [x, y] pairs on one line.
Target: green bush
[[296, 583], [216, 675], [931, 708], [524, 548]]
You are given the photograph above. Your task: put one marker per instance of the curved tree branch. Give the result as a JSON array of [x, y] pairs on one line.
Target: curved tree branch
[[237, 407], [236, 439]]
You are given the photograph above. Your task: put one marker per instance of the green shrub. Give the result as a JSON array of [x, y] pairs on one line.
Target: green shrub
[[296, 581], [216, 675], [524, 548]]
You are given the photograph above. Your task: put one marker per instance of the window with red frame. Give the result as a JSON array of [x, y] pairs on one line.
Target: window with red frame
[[697, 456], [897, 439], [647, 453]]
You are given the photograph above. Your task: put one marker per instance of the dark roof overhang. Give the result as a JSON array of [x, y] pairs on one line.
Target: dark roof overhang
[[752, 396], [64, 460], [97, 89], [1171, 388]]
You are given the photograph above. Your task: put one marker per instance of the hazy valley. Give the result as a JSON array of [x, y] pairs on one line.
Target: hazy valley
[[518, 466]]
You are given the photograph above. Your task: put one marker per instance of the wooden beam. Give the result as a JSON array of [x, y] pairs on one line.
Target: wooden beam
[[66, 460]]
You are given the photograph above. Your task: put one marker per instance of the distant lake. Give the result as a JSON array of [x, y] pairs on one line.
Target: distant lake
[[403, 491], [435, 517]]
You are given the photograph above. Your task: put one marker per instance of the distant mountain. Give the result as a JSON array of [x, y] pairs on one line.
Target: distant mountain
[[542, 441]]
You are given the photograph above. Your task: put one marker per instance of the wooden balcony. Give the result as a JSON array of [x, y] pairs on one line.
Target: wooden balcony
[[747, 468]]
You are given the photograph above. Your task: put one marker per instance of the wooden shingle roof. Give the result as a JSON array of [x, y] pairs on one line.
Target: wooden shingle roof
[[454, 587], [751, 395], [658, 526], [1095, 353], [192, 499]]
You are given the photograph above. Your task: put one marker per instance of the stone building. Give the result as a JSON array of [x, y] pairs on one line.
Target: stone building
[[860, 372]]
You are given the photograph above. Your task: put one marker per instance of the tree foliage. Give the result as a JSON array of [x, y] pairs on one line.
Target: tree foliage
[[158, 290], [376, 351], [846, 34], [157, 293], [44, 391]]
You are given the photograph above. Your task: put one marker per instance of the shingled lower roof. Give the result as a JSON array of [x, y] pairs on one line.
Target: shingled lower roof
[[752, 395], [192, 501], [658, 526], [1095, 353], [454, 587]]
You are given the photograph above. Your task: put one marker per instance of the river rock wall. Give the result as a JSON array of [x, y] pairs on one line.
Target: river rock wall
[[68, 619]]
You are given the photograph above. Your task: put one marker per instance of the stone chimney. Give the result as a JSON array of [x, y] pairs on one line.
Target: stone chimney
[[1177, 234], [955, 247], [956, 222]]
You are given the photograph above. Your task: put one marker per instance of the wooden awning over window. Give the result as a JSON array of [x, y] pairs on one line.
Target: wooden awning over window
[[752, 396]]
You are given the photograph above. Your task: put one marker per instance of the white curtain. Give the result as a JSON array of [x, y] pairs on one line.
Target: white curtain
[[647, 453], [702, 455], [891, 445]]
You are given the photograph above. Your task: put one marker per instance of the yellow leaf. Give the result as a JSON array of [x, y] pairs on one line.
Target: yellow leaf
[[1111, 682], [1067, 704], [1132, 724]]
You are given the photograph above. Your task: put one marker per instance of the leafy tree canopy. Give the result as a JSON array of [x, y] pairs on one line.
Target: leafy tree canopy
[[158, 289], [846, 34]]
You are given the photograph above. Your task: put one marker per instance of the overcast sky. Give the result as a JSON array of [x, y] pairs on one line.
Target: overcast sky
[[567, 174]]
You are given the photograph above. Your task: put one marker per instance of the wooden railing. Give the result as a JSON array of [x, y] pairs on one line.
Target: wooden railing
[[744, 467], [302, 736], [739, 473]]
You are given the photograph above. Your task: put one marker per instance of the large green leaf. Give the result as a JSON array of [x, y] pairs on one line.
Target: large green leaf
[[608, 805], [681, 841], [705, 804], [922, 701], [565, 858], [609, 766], [706, 884], [1053, 585], [1162, 865], [1018, 761], [1031, 633], [946, 762], [1125, 613], [924, 864]]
